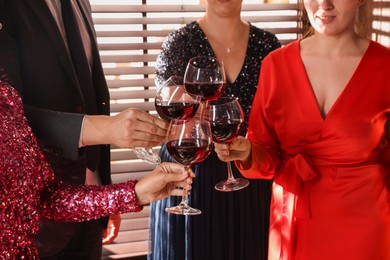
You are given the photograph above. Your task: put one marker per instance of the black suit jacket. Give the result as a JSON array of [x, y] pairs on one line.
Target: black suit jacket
[[35, 60]]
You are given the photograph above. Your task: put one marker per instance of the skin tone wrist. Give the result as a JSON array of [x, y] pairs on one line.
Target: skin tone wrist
[[95, 130]]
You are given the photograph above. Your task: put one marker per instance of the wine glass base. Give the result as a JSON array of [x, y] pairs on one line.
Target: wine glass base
[[147, 155], [232, 185], [183, 209]]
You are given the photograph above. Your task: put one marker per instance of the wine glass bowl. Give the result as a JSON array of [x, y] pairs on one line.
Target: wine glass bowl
[[226, 118], [205, 77], [189, 142], [173, 102]]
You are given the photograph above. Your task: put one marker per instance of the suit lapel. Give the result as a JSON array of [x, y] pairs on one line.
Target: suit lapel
[[44, 16]]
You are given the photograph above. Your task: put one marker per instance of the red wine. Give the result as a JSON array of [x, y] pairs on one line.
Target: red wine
[[176, 110], [208, 91], [226, 130], [189, 151]]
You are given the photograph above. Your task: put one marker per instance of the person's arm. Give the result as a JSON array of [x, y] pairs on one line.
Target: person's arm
[[64, 202], [67, 202]]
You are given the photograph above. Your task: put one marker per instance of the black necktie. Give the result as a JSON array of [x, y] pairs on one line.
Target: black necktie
[[82, 69]]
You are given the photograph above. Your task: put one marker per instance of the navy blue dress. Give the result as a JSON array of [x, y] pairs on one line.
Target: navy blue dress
[[233, 225]]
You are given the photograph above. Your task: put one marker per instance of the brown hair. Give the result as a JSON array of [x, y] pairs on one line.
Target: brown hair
[[364, 17], [363, 21]]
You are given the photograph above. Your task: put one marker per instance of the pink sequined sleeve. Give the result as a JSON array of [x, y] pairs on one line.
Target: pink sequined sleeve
[[29, 188], [78, 203]]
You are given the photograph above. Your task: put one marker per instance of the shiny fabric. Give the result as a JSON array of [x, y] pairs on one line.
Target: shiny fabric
[[233, 225], [331, 192], [30, 192]]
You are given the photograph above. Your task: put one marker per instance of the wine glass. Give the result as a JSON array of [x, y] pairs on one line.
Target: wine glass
[[173, 102], [189, 142], [205, 77], [226, 118], [147, 155]]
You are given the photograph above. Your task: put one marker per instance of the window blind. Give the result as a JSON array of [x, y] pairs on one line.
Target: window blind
[[130, 35], [381, 22]]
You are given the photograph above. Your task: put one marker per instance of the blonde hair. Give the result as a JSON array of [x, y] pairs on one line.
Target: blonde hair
[[363, 21]]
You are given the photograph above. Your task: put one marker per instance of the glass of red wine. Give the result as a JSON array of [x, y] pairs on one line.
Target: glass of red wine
[[189, 142], [173, 102], [226, 118], [205, 77]]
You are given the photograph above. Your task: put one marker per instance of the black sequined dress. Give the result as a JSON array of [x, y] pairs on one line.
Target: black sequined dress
[[233, 225]]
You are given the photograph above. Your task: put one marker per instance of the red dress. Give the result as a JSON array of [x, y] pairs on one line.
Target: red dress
[[29, 190], [331, 176]]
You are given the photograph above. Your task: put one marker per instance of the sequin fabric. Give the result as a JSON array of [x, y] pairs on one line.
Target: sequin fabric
[[190, 41], [29, 190]]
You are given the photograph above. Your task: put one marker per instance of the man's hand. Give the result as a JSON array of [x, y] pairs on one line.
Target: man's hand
[[128, 129]]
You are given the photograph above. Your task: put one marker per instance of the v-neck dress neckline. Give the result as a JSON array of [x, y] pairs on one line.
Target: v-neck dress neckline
[[344, 92], [246, 52]]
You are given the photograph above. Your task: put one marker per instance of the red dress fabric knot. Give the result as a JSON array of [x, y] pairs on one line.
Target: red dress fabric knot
[[296, 171]]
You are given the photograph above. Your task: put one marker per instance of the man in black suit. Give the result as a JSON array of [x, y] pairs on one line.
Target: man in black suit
[[35, 58]]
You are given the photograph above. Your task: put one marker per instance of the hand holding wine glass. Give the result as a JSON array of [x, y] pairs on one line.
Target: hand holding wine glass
[[171, 102], [189, 142], [226, 117]]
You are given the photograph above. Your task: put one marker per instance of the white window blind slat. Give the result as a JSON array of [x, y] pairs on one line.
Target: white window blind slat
[[129, 70], [120, 32], [122, 44], [146, 105], [124, 58], [130, 94]]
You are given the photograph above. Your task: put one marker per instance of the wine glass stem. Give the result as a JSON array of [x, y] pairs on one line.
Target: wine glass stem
[[230, 172], [204, 104], [184, 196]]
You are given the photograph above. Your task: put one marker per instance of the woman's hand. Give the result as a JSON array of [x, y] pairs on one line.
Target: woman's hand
[[237, 150], [165, 180]]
